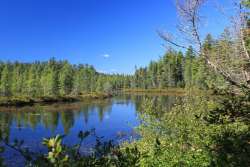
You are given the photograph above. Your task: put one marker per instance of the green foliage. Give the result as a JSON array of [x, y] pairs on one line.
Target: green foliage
[[177, 70], [55, 154], [195, 131], [66, 79], [105, 155], [200, 132], [56, 78], [5, 82], [188, 75], [246, 3], [60, 78]]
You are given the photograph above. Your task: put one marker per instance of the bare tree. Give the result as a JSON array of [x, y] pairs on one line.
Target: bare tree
[[234, 65]]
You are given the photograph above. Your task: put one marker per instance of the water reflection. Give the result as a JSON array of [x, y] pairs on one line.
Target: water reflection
[[51, 116], [112, 119]]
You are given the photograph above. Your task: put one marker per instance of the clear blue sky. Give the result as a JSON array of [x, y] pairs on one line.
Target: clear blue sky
[[112, 35]]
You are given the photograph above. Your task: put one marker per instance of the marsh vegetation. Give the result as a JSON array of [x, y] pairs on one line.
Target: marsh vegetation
[[189, 108]]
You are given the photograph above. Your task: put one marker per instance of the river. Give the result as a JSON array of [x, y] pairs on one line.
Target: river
[[111, 119]]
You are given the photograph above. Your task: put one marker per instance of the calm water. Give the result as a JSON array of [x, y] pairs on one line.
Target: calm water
[[112, 119]]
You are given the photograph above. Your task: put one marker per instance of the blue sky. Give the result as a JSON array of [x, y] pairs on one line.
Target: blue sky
[[112, 35]]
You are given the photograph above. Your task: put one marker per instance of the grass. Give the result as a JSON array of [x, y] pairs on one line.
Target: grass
[[165, 91], [24, 100], [171, 91]]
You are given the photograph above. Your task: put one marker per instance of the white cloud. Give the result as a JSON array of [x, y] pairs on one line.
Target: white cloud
[[110, 71], [113, 70], [106, 56]]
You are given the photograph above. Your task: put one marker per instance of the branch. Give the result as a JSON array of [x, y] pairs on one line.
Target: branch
[[167, 38]]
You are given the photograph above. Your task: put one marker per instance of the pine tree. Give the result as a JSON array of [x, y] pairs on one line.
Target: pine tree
[[66, 79], [32, 82], [188, 76], [5, 82], [152, 70], [179, 71], [99, 84], [17, 79]]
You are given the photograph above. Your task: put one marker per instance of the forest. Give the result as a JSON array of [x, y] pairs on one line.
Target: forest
[[207, 126], [53, 78], [60, 78]]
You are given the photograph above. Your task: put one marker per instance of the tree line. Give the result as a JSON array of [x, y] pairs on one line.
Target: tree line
[[176, 69], [60, 78], [219, 63], [54, 78]]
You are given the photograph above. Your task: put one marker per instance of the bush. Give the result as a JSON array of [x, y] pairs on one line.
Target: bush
[[200, 132]]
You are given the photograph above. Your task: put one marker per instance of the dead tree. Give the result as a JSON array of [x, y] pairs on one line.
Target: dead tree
[[189, 26]]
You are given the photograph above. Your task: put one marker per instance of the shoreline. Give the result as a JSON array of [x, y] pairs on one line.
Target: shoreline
[[19, 101], [165, 91], [28, 101]]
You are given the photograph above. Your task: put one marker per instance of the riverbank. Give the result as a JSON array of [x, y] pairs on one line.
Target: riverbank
[[23, 101], [169, 91], [166, 91]]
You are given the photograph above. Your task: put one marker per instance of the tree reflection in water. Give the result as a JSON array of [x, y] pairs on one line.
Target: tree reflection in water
[[113, 118], [50, 116]]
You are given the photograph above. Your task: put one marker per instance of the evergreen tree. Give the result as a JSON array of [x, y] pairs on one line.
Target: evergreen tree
[[179, 71], [66, 79], [5, 82], [78, 85], [32, 81], [188, 76], [17, 79]]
